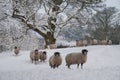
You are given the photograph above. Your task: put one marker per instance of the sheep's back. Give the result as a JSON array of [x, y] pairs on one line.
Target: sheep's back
[[73, 58], [55, 60]]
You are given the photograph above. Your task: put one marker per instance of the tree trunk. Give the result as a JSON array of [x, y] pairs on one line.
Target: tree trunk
[[49, 39]]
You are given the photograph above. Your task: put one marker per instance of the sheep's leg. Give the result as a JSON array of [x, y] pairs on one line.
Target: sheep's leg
[[81, 65], [54, 66], [69, 66], [32, 60], [51, 66], [57, 66], [36, 61], [77, 65], [15, 54]]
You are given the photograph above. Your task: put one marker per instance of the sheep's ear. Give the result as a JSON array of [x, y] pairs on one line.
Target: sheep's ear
[[44, 52]]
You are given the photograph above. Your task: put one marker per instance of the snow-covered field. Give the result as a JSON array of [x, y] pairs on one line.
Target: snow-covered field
[[103, 64]]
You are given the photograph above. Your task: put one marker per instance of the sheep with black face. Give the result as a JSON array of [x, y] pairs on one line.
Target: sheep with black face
[[55, 60], [76, 58], [43, 56]]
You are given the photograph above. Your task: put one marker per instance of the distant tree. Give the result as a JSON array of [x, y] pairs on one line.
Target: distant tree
[[27, 11], [3, 36], [103, 22], [115, 34]]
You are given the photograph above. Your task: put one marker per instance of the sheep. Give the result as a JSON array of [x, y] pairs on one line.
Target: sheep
[[16, 50], [76, 58], [94, 42], [85, 42], [34, 56], [55, 60], [104, 42], [52, 46], [79, 43], [109, 42], [43, 56]]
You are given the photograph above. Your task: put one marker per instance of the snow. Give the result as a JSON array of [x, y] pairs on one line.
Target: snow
[[63, 16], [102, 64]]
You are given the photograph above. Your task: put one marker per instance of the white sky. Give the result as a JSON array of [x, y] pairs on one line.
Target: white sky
[[113, 3]]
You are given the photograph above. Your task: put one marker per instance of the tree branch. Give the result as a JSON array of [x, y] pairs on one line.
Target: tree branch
[[30, 26], [3, 18]]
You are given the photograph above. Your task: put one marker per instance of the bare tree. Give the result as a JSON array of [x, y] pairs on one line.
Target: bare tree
[[103, 23], [115, 34], [26, 11]]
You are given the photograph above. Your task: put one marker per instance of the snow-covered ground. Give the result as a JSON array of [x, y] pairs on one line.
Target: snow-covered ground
[[103, 64]]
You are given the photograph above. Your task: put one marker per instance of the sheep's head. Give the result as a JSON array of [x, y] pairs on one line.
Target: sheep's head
[[44, 52], [84, 51], [15, 47], [36, 51], [57, 54]]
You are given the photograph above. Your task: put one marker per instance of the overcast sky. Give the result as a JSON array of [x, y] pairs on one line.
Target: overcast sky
[[113, 3]]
